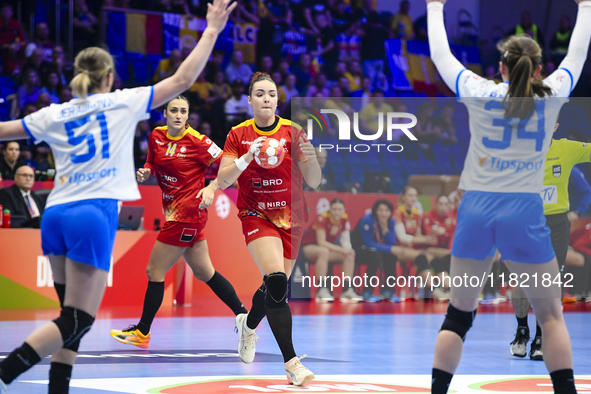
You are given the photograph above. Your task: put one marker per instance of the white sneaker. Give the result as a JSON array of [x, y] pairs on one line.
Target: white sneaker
[[324, 295], [296, 373], [440, 294], [247, 341], [349, 296]]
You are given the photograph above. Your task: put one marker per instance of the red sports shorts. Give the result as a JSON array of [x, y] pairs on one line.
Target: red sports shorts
[[254, 227], [182, 234]]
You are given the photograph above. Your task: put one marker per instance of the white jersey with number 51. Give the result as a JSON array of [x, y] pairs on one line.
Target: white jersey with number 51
[[92, 142], [507, 154]]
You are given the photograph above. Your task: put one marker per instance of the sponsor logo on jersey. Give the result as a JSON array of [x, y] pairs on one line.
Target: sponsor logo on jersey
[[515, 165], [160, 142], [275, 204], [183, 149], [482, 159], [556, 171], [256, 182], [167, 196], [78, 178], [168, 178], [188, 234], [256, 230], [208, 141], [214, 151], [247, 142]]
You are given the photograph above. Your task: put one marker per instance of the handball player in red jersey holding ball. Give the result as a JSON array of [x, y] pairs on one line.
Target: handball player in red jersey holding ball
[[272, 210], [179, 156]]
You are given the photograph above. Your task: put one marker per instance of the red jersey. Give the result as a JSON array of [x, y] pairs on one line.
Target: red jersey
[[333, 229], [180, 163], [412, 220], [274, 194], [431, 220], [580, 239]]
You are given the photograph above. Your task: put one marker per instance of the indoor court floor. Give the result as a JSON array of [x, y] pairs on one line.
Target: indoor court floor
[[352, 348]]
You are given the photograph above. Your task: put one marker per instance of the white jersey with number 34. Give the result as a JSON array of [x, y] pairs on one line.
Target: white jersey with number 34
[[92, 142], [507, 154]]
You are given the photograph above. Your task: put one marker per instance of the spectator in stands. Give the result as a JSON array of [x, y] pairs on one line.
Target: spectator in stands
[[527, 27], [53, 86], [220, 90], [237, 69], [424, 130], [266, 64], [354, 75], [327, 181], [289, 88], [205, 129], [326, 47], [442, 224], [402, 22], [312, 9], [44, 100], [303, 71], [245, 13], [10, 162], [41, 41], [215, 65], [85, 26], [12, 41], [29, 109], [343, 83], [173, 6], [374, 241], [490, 73], [44, 158], [20, 200], [560, 40], [283, 68], [37, 62], [465, 32], [194, 120], [339, 71], [420, 28], [237, 108], [64, 68], [345, 27], [336, 102], [373, 55], [318, 86], [445, 126], [167, 67], [31, 89], [328, 240], [549, 68], [369, 120], [65, 94], [140, 143], [200, 93], [27, 157], [364, 93]]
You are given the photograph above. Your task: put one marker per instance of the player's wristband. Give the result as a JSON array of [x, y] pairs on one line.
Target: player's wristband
[[241, 163]]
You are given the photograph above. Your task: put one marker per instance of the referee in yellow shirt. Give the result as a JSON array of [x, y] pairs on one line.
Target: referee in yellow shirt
[[562, 156]]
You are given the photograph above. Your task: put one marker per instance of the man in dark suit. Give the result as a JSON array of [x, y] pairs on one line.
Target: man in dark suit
[[20, 200]]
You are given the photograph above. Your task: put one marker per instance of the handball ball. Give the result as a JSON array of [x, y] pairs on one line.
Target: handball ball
[[270, 154]]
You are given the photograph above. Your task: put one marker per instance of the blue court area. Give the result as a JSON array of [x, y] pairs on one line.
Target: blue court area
[[348, 353]]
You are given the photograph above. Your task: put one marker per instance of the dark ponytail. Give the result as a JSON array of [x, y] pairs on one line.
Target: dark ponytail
[[522, 55]]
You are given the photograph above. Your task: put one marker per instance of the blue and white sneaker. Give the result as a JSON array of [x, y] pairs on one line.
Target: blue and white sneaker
[[296, 373], [489, 299], [368, 296], [394, 299]]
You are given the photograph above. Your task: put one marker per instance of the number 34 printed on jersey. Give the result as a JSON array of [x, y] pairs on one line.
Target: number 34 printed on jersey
[[88, 137], [522, 133]]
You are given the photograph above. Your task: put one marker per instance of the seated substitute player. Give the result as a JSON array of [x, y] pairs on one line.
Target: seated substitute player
[[510, 123], [411, 239], [272, 216], [441, 223], [178, 157], [374, 241], [328, 240], [562, 156]]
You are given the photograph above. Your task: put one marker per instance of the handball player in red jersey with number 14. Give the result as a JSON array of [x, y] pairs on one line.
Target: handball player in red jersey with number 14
[[179, 156], [272, 210]]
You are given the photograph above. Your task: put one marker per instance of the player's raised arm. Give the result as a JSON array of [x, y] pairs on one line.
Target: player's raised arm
[[579, 42], [193, 65], [12, 130], [448, 66]]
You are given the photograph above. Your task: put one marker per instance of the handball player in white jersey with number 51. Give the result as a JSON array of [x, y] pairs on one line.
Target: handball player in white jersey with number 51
[[92, 140], [511, 126]]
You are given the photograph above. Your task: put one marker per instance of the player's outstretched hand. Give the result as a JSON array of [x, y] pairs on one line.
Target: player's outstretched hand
[[307, 149], [217, 14], [143, 174], [254, 148], [206, 195]]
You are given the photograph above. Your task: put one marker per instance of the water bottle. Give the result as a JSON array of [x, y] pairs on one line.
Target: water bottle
[[1, 216], [6, 218]]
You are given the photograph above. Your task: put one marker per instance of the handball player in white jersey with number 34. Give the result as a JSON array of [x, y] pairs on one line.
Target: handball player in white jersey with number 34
[[92, 140], [511, 127]]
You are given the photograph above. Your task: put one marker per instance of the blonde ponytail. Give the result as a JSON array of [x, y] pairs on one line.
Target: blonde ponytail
[[92, 66]]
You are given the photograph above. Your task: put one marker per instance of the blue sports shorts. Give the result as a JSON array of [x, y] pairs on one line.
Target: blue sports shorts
[[83, 231]]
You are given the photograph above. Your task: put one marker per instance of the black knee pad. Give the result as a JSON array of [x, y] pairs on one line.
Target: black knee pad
[[73, 324], [277, 287], [422, 263], [458, 321], [442, 264]]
